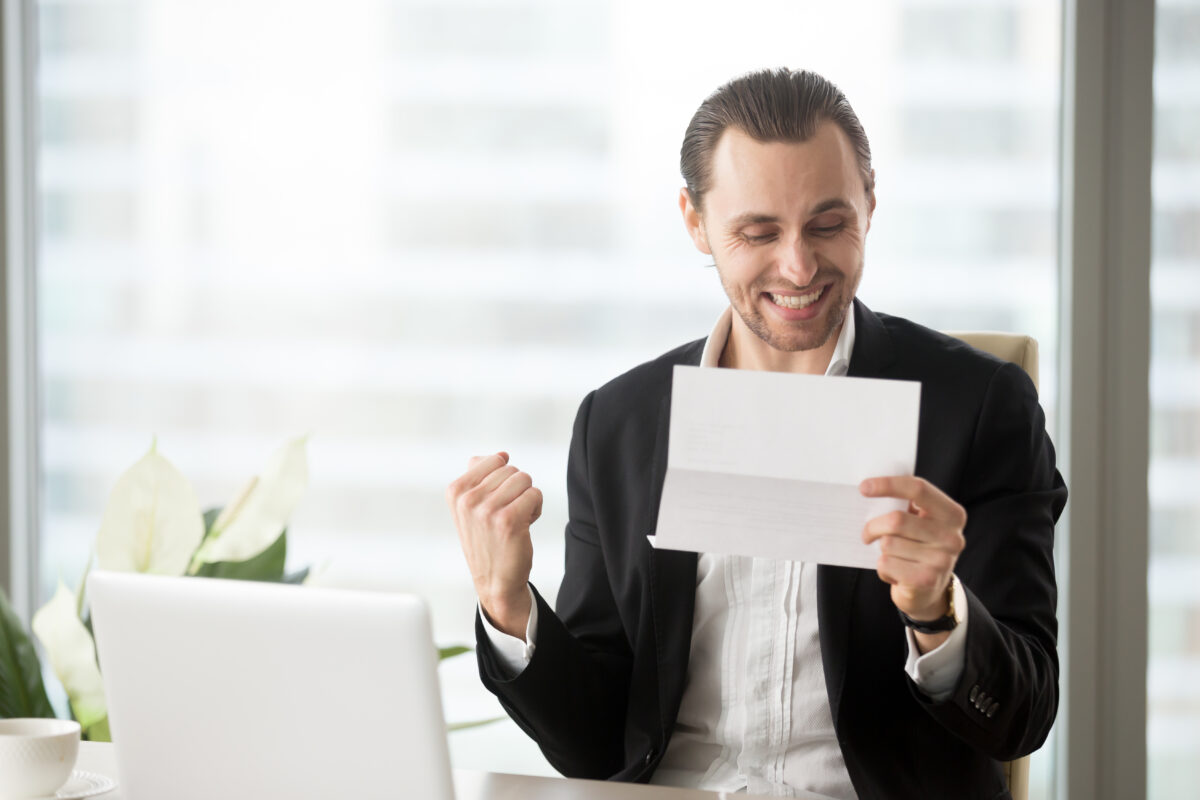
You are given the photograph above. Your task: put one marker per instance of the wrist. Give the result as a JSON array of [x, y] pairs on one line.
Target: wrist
[[938, 617], [508, 612], [937, 609]]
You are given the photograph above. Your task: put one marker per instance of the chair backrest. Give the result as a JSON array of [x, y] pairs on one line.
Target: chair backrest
[[1022, 351], [1018, 348]]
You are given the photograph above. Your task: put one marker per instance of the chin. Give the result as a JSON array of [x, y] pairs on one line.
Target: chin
[[791, 343], [790, 338]]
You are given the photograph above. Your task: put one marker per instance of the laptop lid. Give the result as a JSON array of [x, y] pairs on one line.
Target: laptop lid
[[234, 689]]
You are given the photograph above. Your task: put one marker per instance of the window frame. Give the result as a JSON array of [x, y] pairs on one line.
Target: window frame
[[1104, 271], [19, 405], [1104, 268]]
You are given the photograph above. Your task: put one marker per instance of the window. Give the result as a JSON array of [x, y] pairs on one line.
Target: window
[[421, 230], [1173, 723]]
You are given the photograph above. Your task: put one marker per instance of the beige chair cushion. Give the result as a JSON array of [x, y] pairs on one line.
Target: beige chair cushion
[[1023, 351], [1018, 348]]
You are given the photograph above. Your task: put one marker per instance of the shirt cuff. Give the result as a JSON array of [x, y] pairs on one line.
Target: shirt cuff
[[936, 673], [514, 654]]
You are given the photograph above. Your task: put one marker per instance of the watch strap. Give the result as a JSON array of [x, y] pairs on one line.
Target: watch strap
[[948, 622]]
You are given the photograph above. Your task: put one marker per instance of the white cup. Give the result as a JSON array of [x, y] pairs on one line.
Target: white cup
[[36, 756]]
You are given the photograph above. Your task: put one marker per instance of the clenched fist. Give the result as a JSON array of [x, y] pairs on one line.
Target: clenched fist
[[493, 504]]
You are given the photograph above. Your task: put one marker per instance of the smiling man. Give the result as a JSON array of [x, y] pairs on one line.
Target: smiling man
[[785, 678]]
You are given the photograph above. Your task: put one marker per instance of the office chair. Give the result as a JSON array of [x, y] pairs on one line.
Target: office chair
[[1022, 351]]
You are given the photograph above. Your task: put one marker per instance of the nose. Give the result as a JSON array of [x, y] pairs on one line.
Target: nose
[[798, 261]]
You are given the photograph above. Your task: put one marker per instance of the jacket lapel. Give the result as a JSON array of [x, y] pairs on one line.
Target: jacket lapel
[[871, 357], [672, 584]]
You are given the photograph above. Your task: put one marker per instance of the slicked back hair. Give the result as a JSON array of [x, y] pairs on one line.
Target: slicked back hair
[[772, 105]]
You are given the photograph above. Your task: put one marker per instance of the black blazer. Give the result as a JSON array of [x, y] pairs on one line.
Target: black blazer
[[602, 691]]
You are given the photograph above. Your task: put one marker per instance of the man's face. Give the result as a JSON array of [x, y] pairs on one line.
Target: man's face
[[786, 224]]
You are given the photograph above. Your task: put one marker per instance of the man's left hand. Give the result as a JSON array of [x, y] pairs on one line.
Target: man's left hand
[[918, 547]]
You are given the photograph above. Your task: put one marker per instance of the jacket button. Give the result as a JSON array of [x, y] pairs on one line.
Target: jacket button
[[991, 712], [974, 693], [649, 757]]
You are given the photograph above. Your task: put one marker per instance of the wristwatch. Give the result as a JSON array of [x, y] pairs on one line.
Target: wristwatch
[[947, 623]]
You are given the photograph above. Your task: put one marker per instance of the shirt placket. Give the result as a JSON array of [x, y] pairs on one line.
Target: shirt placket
[[768, 671]]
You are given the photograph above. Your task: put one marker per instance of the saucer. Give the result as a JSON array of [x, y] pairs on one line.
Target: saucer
[[82, 784]]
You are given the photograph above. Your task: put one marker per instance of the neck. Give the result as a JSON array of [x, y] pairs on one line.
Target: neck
[[744, 350]]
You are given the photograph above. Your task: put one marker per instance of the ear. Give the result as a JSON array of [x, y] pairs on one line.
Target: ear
[[693, 222], [871, 201]]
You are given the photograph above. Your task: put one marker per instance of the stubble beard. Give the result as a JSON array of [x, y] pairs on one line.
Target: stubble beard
[[835, 313]]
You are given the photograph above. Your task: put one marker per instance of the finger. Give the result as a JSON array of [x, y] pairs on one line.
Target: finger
[[933, 554], [896, 523], [479, 468], [907, 487], [512, 488], [473, 460], [536, 495], [913, 576], [493, 481], [938, 544], [529, 503], [923, 495]]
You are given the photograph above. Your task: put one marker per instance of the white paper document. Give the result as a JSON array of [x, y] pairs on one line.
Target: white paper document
[[768, 463]]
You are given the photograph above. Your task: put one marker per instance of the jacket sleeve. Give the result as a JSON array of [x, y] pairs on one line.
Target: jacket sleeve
[[1007, 696], [571, 698]]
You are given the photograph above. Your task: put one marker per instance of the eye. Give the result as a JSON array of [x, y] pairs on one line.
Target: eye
[[758, 234], [826, 225], [759, 239]]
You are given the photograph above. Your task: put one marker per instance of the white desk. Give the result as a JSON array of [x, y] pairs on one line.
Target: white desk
[[468, 784]]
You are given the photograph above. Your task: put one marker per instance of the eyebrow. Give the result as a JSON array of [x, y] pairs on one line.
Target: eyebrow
[[831, 204], [757, 218], [752, 218]]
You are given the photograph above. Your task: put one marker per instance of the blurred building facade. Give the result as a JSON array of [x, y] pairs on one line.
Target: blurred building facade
[[421, 230]]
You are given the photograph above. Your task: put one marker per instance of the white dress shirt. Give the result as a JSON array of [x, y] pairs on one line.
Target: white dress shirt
[[755, 712]]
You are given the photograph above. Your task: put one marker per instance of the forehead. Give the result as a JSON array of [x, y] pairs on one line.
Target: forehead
[[783, 178]]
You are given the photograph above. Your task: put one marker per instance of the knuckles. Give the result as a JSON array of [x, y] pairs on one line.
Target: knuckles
[[960, 517], [454, 491]]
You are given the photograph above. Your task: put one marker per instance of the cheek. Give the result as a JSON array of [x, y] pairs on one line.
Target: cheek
[[843, 250]]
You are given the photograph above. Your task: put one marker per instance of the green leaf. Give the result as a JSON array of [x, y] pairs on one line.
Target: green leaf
[[210, 516], [298, 577], [462, 726], [451, 652], [98, 732], [72, 653], [22, 693], [266, 566]]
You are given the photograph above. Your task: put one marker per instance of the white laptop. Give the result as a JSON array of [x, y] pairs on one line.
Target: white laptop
[[232, 689]]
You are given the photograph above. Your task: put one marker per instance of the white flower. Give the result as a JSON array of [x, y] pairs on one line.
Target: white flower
[[254, 519], [73, 656], [152, 522]]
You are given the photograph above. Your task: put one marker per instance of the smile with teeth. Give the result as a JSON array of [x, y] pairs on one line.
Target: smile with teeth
[[790, 301]]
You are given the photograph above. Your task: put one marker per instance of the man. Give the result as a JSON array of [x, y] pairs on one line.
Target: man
[[779, 677]]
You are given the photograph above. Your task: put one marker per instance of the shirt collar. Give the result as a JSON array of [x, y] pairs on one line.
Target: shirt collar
[[839, 364]]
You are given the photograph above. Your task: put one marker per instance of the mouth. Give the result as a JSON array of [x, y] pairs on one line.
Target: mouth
[[796, 306], [796, 301]]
